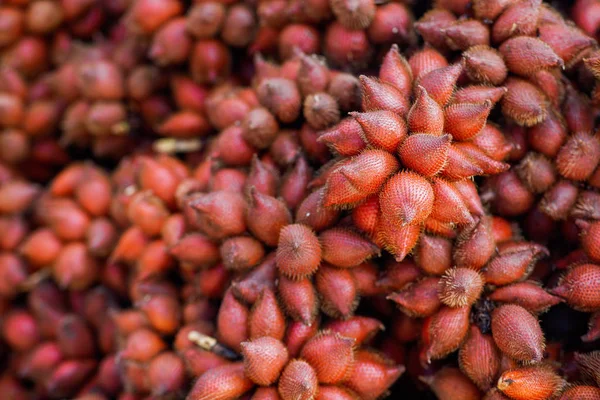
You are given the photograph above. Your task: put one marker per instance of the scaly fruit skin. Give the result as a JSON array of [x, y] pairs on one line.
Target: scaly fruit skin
[[529, 45], [418, 139], [580, 287], [535, 382]]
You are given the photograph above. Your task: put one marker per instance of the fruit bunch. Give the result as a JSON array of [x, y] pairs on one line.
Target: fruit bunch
[[283, 199]]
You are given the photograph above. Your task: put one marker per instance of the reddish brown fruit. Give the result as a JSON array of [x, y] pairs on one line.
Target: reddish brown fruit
[[266, 318], [468, 192], [232, 322], [479, 358], [74, 267], [528, 295], [372, 374], [490, 9], [354, 14], [335, 393], [559, 200], [259, 128], [448, 206], [166, 374], [450, 383], [344, 46], [526, 55], [485, 64], [41, 247], [264, 359], [419, 299], [531, 383], [321, 110], [294, 185], [465, 121], [361, 329], [345, 89], [460, 287], [587, 206], [300, 36], [347, 185], [17, 196], [581, 392], [313, 214], [425, 115], [345, 138], [337, 290], [536, 172], [440, 83], [344, 248], [298, 381], [425, 153], [433, 254], [475, 245], [580, 287], [299, 299], [331, 355], [444, 332], [593, 332], [142, 345], [298, 251], [221, 383], [466, 33], [396, 71], [524, 103], [263, 177], [281, 97], [20, 330], [397, 239], [241, 252], [517, 333], [382, 129], [432, 24], [392, 24], [163, 313], [425, 61], [579, 156], [266, 393], [508, 186], [478, 94], [75, 338], [266, 216], [148, 212], [520, 18], [313, 75], [398, 274], [195, 250], [382, 96], [219, 214], [407, 198], [210, 61], [513, 263]]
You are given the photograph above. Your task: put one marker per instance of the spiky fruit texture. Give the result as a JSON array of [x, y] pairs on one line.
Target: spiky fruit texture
[[298, 381], [264, 358], [460, 287], [331, 355], [530, 383], [580, 287], [479, 358], [221, 383], [298, 252], [517, 333], [444, 332], [418, 139]]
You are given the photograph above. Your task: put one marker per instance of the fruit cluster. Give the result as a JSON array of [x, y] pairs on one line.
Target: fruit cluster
[[299, 199]]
